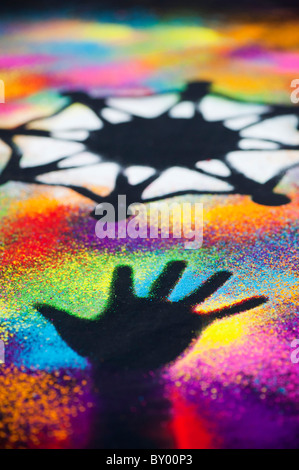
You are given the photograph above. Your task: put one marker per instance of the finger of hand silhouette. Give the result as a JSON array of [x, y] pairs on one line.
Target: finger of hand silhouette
[[208, 288], [236, 308], [122, 285], [62, 320], [167, 280]]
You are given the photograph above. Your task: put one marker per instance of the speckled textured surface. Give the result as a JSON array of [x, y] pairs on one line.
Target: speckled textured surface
[[235, 386]]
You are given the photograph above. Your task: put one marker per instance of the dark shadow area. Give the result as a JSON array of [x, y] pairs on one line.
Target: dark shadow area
[[162, 142], [131, 341]]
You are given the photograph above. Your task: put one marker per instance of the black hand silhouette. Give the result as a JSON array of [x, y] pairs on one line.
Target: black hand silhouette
[[143, 333]]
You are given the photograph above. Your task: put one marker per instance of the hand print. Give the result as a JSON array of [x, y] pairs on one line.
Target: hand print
[[144, 333]]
